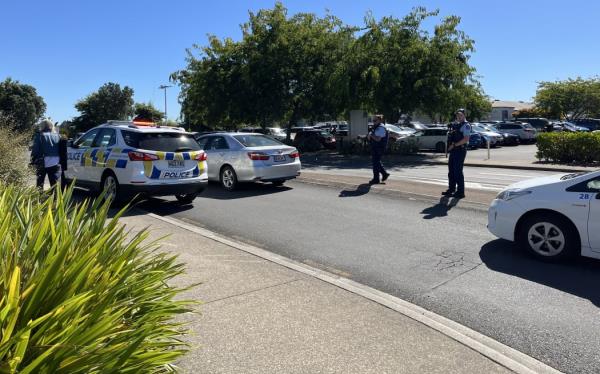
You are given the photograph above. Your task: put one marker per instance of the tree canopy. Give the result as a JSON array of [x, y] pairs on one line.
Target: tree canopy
[[22, 103], [571, 98], [109, 102], [286, 68], [148, 111]]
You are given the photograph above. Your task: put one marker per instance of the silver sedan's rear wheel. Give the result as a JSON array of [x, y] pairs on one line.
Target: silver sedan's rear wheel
[[549, 236], [228, 178]]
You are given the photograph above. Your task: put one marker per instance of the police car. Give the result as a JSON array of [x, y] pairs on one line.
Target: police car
[[128, 158], [553, 217]]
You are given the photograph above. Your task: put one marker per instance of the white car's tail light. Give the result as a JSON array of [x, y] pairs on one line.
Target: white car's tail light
[[258, 156], [141, 156], [295, 154]]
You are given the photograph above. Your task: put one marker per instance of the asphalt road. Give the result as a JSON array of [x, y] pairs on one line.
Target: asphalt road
[[439, 257], [492, 179]]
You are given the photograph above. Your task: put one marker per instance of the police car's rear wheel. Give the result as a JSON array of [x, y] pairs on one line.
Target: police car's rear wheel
[[186, 198], [228, 178], [110, 187]]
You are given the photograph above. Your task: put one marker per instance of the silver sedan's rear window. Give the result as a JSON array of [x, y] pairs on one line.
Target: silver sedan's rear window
[[256, 140]]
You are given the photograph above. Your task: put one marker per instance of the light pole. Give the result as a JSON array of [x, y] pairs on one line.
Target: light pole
[[164, 87]]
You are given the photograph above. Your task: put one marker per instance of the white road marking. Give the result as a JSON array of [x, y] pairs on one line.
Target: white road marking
[[514, 175]]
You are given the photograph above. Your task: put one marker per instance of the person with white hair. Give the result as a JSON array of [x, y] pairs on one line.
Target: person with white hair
[[45, 154]]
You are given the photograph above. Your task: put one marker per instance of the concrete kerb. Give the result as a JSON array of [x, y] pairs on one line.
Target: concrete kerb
[[495, 351]]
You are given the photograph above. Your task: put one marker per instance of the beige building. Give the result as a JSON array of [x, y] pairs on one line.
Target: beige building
[[503, 110]]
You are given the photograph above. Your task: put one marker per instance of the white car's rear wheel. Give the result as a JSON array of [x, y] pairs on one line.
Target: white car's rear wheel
[[228, 178], [549, 237]]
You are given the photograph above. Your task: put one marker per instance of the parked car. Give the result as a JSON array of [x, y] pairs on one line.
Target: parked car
[[248, 157], [323, 137], [571, 127], [340, 129], [540, 124], [476, 140], [277, 133], [431, 139], [553, 217], [526, 134], [507, 138], [396, 132], [492, 137], [418, 126], [126, 158], [590, 123]]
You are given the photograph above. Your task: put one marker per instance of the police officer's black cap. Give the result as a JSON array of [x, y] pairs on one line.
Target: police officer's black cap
[[461, 110]]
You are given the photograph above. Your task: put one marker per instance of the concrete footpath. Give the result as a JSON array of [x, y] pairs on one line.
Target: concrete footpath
[[258, 316]]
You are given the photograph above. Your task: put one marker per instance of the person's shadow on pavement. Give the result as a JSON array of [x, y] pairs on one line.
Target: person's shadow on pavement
[[360, 190], [440, 209]]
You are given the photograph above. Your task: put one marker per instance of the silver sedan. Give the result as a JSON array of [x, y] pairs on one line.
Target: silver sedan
[[248, 157]]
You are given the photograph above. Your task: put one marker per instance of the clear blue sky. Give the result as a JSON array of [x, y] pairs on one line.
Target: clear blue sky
[[67, 49]]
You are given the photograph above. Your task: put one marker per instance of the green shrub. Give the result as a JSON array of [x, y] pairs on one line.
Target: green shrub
[[14, 153], [80, 295], [568, 147]]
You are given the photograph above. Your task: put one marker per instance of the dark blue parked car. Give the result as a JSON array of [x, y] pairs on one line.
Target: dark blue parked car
[[476, 140]]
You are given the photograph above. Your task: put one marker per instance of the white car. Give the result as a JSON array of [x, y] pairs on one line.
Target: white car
[[524, 131], [553, 217], [128, 158], [433, 138]]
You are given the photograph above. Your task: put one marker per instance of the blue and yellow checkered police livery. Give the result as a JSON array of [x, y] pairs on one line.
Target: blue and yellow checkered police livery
[[105, 158]]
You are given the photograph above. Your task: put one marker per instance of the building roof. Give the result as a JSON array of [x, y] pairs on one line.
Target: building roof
[[517, 105]]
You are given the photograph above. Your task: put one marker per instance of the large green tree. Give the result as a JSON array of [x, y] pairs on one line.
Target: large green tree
[[22, 103], [571, 98], [109, 102], [148, 111], [286, 68]]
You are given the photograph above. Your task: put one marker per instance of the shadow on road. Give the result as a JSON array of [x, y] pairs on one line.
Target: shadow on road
[[244, 190], [579, 277], [440, 209], [361, 189]]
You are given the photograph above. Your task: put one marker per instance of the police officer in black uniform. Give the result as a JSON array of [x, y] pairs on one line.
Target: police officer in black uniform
[[458, 141], [378, 138]]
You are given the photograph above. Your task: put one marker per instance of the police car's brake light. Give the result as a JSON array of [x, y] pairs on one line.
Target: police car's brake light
[[141, 156], [295, 154], [200, 156], [258, 156]]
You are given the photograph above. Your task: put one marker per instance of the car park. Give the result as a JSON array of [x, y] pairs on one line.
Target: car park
[[127, 158], [526, 134], [553, 217], [234, 158]]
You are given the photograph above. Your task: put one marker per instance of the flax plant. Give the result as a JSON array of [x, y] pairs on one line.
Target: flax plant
[[79, 294]]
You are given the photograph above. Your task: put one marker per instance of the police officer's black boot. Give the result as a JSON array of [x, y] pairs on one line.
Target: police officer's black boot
[[448, 193]]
